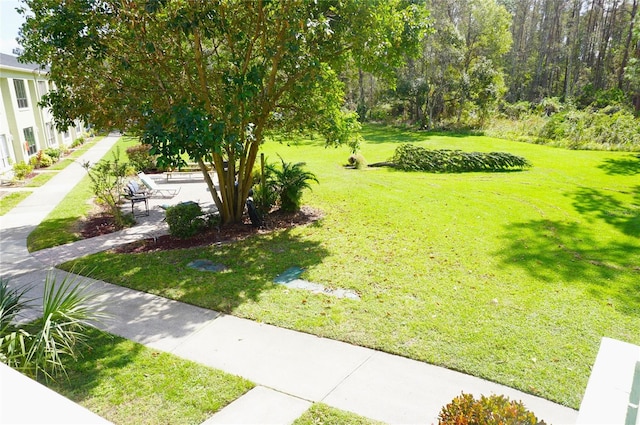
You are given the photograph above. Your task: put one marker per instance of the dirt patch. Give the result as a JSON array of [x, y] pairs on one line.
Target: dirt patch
[[100, 224]]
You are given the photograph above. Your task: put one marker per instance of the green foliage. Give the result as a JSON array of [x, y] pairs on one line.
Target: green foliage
[[78, 142], [185, 219], [107, 182], [46, 344], [609, 128], [21, 170], [409, 157], [54, 153], [41, 160], [288, 181], [495, 409], [140, 158], [206, 88]]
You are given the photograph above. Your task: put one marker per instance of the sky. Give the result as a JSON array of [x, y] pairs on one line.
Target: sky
[[10, 22]]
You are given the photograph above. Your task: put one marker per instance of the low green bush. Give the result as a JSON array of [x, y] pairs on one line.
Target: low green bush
[[409, 157], [21, 170], [78, 142], [41, 160], [54, 153], [185, 219], [496, 409], [140, 157]]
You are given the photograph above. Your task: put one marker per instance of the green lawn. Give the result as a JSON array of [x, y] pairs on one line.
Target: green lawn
[[10, 200], [127, 383], [320, 413], [514, 277]]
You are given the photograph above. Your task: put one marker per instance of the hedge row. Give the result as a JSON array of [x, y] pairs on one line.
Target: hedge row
[[415, 158]]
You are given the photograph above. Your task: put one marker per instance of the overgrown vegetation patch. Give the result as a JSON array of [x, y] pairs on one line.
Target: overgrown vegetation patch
[[409, 157]]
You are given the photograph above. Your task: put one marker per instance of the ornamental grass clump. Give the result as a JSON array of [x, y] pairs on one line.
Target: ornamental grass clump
[[409, 157]]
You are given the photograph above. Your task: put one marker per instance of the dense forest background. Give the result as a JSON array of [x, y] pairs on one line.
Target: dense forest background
[[550, 71]]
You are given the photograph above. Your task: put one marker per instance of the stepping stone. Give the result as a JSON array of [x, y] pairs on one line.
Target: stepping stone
[[291, 274], [290, 279], [207, 266]]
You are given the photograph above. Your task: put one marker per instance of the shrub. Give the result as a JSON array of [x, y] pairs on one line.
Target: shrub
[[496, 409], [141, 158], [415, 158], [21, 170], [185, 219], [107, 182], [41, 160], [78, 142], [43, 346], [288, 181], [54, 153]]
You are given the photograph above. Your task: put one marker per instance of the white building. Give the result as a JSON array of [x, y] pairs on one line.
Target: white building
[[25, 127]]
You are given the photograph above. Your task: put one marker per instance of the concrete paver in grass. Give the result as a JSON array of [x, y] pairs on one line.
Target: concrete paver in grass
[[291, 279], [261, 406]]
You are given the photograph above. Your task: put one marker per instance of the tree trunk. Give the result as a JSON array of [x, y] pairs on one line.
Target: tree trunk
[[627, 45]]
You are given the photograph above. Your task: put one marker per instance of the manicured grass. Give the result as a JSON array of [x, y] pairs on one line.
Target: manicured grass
[[514, 277], [127, 383], [9, 201], [61, 225], [320, 413], [40, 179]]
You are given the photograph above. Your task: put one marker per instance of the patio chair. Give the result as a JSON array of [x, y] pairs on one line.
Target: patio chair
[[135, 195], [155, 189]]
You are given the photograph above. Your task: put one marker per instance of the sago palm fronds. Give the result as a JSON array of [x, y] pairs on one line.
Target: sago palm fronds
[[43, 345]]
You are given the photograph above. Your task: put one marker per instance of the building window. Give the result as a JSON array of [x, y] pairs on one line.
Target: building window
[[51, 134], [21, 93], [30, 139], [4, 152], [42, 88]]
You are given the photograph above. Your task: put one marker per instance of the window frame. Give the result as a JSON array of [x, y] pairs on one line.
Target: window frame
[[30, 140], [21, 93]]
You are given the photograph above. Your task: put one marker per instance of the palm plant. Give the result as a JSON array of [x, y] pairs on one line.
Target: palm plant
[[289, 181], [42, 346]]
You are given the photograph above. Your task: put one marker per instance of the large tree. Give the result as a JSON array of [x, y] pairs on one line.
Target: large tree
[[212, 78]]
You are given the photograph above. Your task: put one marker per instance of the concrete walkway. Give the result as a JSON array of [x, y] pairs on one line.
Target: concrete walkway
[[292, 370]]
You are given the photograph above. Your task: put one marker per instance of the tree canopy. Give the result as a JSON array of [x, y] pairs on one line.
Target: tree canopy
[[212, 78]]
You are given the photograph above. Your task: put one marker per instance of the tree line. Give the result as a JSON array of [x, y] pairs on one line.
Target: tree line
[[479, 53]]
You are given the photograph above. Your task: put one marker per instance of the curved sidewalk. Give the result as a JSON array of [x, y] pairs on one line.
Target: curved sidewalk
[[291, 369]]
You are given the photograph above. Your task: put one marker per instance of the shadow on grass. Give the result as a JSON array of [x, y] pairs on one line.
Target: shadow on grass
[[552, 251], [251, 267], [627, 166], [53, 232], [103, 354], [595, 204]]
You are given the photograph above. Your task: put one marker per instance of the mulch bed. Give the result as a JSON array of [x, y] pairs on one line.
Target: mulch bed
[[101, 224]]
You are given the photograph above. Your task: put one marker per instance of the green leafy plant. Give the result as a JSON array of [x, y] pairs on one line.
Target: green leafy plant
[[44, 345], [140, 157], [107, 182], [78, 142], [41, 160], [415, 158], [288, 181], [496, 409], [185, 219], [21, 170], [54, 153]]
